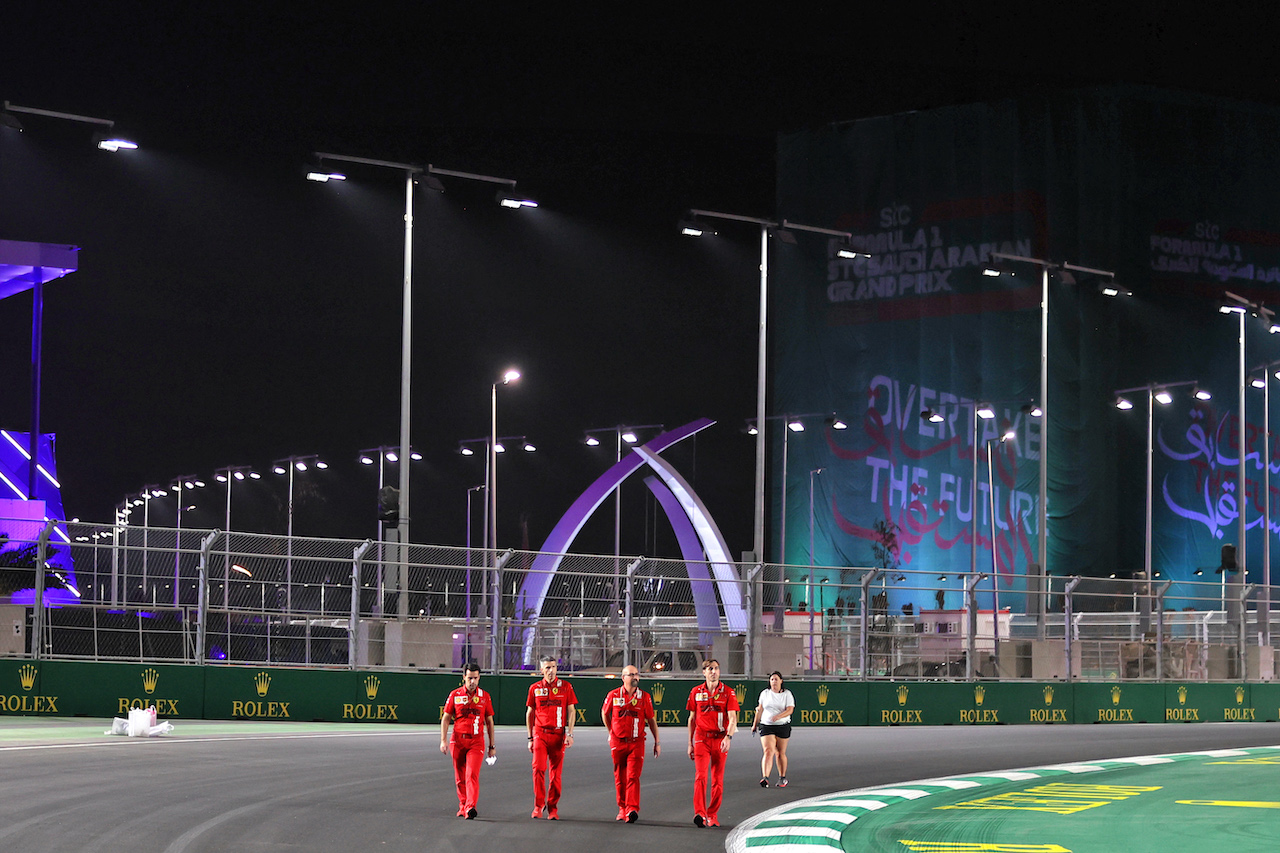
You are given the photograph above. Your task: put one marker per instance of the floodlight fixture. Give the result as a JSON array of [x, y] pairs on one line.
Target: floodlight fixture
[[932, 416], [986, 411], [508, 197], [837, 423], [1258, 380], [795, 425], [1032, 409], [1111, 289], [1124, 403], [591, 441], [322, 177], [1163, 397], [630, 437], [1201, 393]]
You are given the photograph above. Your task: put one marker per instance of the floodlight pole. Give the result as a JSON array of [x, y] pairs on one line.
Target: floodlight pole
[[1045, 268], [757, 538], [412, 174]]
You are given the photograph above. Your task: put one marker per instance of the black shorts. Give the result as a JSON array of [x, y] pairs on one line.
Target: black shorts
[[783, 731]]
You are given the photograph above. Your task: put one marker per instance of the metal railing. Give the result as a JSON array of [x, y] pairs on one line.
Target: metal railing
[[190, 596]]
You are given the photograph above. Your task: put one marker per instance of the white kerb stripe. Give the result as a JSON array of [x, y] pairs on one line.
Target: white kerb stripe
[[793, 832], [869, 805], [834, 817], [905, 793]]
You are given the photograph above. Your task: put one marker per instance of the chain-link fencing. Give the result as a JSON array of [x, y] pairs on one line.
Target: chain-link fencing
[[129, 593]]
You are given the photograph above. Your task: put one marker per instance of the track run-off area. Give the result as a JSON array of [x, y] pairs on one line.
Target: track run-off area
[[1226, 799]]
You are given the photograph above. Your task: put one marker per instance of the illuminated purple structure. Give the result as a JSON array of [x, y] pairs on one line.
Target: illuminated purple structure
[[700, 540]]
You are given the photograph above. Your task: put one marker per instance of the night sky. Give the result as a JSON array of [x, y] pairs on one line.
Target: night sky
[[229, 312]]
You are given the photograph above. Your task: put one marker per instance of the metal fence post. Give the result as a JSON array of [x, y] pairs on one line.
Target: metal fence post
[[202, 596], [357, 560], [971, 622], [496, 647], [1066, 621], [1243, 651], [626, 623], [752, 640], [1159, 604], [38, 614], [865, 606]]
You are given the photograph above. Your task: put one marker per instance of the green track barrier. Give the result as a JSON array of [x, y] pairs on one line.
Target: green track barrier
[[111, 689], [70, 688], [1119, 703], [22, 689], [1208, 703], [968, 703]]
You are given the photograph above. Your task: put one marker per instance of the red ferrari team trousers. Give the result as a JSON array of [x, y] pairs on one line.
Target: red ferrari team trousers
[[548, 758], [708, 759], [628, 761], [467, 755]]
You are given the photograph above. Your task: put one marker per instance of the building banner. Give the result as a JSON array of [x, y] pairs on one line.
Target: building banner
[[884, 357]]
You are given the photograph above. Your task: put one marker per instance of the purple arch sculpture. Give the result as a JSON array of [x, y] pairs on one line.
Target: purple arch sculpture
[[704, 594], [713, 544], [538, 579]]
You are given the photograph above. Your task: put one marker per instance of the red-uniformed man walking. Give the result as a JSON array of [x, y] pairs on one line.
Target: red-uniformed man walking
[[713, 718], [470, 710], [626, 713], [550, 720]]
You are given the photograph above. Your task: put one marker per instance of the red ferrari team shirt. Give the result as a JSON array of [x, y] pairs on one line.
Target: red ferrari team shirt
[[711, 708], [469, 711], [550, 703], [628, 712]]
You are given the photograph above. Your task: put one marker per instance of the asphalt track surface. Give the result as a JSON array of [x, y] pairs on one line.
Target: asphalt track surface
[[250, 787]]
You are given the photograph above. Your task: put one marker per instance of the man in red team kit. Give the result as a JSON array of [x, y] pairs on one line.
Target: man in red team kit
[[626, 712], [470, 710], [713, 718], [550, 719]]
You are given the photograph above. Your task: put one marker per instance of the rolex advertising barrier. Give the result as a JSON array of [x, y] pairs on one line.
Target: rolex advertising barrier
[[66, 689]]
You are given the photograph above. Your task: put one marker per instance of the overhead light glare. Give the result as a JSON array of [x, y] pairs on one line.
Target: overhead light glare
[[630, 437], [325, 177], [795, 425], [1163, 397], [1124, 404], [986, 412]]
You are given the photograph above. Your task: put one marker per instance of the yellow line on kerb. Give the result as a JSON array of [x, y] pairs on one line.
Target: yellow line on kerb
[[1235, 804]]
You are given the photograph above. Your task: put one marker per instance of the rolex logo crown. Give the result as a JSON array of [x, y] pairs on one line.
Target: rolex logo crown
[[1115, 695], [902, 694], [371, 685], [979, 693], [1182, 695], [27, 675], [149, 679], [1239, 695], [658, 690], [262, 681], [740, 692], [1048, 694], [823, 692]]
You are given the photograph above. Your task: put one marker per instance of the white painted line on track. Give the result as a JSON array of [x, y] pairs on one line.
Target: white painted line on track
[[116, 740]]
